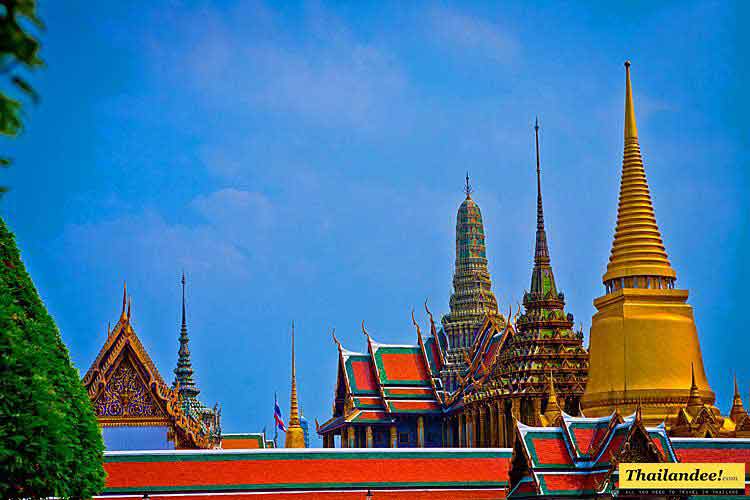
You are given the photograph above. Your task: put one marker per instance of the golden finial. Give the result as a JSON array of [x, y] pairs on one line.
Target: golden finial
[[364, 330], [123, 313], [109, 332], [130, 301], [631, 130], [736, 387], [552, 393]]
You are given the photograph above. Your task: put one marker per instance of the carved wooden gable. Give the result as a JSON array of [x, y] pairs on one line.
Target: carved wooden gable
[[126, 394]]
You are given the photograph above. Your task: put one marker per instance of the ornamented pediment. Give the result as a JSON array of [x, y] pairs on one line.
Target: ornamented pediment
[[126, 395]]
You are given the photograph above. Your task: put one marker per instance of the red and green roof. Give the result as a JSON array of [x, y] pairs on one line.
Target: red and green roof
[[388, 380], [575, 459], [454, 472]]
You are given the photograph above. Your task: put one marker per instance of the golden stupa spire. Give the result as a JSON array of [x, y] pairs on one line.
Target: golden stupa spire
[[638, 254], [695, 402], [552, 394], [738, 410], [295, 436], [553, 411]]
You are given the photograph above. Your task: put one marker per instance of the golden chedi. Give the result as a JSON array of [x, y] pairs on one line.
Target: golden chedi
[[295, 435], [643, 337]]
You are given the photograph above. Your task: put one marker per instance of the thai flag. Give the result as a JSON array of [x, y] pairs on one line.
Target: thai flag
[[278, 421]]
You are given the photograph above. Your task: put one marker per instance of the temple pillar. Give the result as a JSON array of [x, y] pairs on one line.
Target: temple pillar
[[537, 405], [369, 436], [474, 428], [501, 438], [394, 437], [344, 437], [461, 430], [448, 441], [492, 426], [420, 431], [482, 434], [352, 437], [468, 418], [515, 411]]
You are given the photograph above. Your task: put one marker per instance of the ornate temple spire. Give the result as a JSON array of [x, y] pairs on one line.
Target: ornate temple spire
[[542, 277], [553, 410], [638, 254], [472, 297], [184, 371], [295, 436], [738, 410], [694, 402]]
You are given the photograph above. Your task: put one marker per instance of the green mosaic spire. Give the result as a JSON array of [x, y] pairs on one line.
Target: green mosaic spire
[[472, 297]]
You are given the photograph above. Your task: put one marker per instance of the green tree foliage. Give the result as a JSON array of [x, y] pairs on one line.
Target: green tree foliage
[[19, 52], [50, 443]]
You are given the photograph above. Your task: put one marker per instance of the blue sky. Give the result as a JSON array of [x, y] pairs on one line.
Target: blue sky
[[306, 161]]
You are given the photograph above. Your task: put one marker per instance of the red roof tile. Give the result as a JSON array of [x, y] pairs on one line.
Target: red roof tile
[[404, 366], [364, 376], [551, 450]]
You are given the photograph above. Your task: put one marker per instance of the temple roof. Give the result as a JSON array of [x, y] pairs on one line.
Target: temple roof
[[126, 388], [389, 379], [580, 457]]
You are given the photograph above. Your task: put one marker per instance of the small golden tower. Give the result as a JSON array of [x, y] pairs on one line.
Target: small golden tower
[[643, 335], [738, 412], [553, 413], [295, 436]]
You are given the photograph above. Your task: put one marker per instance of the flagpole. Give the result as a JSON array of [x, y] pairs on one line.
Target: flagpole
[[275, 425]]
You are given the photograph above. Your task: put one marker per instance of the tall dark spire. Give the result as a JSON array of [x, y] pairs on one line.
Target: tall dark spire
[[184, 371], [467, 188], [541, 252], [542, 278]]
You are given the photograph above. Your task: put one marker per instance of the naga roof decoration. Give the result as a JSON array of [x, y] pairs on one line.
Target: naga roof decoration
[[126, 389], [581, 456]]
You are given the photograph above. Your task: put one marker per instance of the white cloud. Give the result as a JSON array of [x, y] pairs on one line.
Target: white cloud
[[473, 34], [241, 63]]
